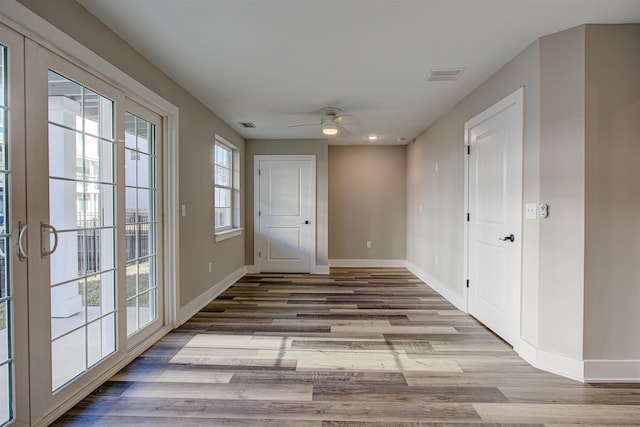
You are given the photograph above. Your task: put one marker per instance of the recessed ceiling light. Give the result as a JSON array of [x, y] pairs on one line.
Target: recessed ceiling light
[[372, 137]]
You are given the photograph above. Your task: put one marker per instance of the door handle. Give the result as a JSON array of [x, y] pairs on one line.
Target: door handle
[[45, 230], [22, 253], [510, 237], [307, 222]]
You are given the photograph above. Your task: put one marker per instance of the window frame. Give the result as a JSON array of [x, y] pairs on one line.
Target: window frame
[[234, 228]]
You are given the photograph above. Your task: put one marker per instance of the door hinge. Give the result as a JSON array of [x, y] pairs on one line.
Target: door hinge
[[468, 217], [468, 149], [467, 283], [259, 172], [259, 213], [259, 254]]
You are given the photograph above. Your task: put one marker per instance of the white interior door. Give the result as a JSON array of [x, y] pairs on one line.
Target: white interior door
[[285, 232], [495, 216]]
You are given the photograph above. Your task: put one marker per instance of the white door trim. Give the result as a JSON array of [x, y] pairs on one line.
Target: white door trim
[[256, 206], [514, 99]]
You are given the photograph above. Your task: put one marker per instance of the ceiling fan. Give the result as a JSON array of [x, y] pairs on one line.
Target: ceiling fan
[[331, 121]]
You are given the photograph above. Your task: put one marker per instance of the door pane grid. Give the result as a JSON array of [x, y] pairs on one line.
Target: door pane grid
[[141, 222], [81, 196], [6, 297]]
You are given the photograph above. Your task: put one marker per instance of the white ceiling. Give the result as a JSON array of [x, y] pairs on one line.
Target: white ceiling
[[276, 63]]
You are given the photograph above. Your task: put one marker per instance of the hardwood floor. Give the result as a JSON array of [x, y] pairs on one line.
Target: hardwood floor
[[360, 347]]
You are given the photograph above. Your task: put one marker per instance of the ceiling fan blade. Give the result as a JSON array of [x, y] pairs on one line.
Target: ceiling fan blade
[[344, 120], [343, 132], [310, 124]]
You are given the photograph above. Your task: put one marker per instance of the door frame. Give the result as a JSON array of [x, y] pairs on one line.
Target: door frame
[[515, 98], [256, 205]]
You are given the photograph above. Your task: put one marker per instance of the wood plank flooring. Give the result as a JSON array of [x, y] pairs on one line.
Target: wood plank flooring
[[360, 347]]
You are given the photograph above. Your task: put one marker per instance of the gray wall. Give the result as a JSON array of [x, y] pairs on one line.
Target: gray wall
[[612, 241], [317, 147], [562, 188], [198, 126], [580, 294], [438, 228], [367, 202]]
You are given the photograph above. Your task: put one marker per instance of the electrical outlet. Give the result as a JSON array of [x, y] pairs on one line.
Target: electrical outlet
[[368, 244], [210, 267]]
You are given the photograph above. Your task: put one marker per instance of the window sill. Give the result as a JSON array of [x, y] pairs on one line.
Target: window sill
[[228, 234]]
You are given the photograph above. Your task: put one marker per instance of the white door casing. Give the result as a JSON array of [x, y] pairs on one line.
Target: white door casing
[[494, 198], [284, 236]]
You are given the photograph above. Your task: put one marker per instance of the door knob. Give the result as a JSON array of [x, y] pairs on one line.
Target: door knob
[[307, 222], [510, 237]]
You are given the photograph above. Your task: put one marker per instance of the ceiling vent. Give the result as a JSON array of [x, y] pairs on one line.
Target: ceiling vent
[[444, 74], [247, 125]]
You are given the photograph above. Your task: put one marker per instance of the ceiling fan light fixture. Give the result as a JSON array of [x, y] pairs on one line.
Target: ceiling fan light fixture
[[328, 129]]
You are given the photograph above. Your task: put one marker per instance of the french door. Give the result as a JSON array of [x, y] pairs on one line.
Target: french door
[[80, 243], [14, 375]]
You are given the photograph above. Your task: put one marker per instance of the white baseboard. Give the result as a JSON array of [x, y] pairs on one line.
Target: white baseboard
[[612, 371], [555, 363], [319, 269], [315, 269], [457, 300], [188, 311], [384, 263]]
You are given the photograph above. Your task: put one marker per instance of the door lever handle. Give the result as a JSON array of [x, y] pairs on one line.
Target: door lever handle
[[510, 238], [22, 253], [45, 229]]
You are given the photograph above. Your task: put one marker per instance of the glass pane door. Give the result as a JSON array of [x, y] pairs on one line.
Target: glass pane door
[[81, 210], [6, 298], [142, 220], [144, 292], [13, 321], [77, 330], [95, 282]]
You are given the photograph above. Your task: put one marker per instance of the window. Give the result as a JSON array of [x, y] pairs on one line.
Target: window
[[226, 162]]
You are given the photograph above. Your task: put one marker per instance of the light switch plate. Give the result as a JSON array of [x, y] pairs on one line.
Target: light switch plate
[[531, 211]]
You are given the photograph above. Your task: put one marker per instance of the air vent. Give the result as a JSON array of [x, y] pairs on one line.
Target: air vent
[[247, 125], [444, 74]]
